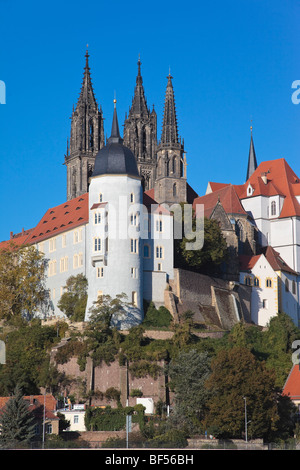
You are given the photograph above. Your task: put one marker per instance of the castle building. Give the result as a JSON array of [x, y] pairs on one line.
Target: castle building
[[117, 229]]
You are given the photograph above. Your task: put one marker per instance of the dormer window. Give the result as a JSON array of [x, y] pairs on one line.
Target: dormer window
[[250, 190]]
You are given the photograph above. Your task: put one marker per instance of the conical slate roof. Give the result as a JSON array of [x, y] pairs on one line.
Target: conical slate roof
[[252, 162], [115, 158]]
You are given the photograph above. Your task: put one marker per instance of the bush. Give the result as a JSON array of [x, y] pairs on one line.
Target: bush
[[172, 438], [157, 318]]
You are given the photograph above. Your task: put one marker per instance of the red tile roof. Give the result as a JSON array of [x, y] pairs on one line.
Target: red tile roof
[[36, 401], [280, 180], [292, 384], [228, 197], [272, 256], [58, 219], [16, 240]]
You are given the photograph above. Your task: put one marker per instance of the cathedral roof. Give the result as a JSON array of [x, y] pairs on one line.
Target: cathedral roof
[[115, 158], [271, 178], [228, 197]]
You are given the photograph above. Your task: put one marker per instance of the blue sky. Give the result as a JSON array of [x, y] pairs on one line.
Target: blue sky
[[232, 61]]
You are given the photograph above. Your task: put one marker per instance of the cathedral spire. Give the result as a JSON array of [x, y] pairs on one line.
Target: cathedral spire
[[139, 103], [87, 137], [252, 162], [87, 96], [169, 133], [140, 132]]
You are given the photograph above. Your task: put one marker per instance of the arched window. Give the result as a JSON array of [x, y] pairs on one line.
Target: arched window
[[247, 280], [174, 189], [286, 285], [256, 282], [91, 135], [268, 282], [273, 208], [174, 165], [146, 251], [167, 167]]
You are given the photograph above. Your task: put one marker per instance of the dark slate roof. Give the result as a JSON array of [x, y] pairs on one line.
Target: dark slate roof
[[252, 162], [115, 158]]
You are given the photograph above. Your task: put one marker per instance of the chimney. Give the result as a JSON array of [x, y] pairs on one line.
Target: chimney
[[264, 178]]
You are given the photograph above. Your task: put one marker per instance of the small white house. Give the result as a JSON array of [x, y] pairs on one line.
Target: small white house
[[274, 286], [75, 415]]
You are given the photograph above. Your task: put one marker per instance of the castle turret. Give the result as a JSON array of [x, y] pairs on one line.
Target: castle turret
[[114, 261]]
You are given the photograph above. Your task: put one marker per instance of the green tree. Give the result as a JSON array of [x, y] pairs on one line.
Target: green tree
[[27, 357], [73, 301], [209, 258], [237, 375], [16, 421], [188, 374], [22, 282], [103, 340]]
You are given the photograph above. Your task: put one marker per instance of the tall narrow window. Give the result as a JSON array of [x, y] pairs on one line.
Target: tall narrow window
[[134, 298], [97, 244], [286, 285], [134, 245], [146, 251], [273, 208], [97, 218], [174, 189], [91, 136], [159, 252]]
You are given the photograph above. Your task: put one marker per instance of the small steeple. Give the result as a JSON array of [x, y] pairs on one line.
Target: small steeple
[[169, 133], [252, 162], [115, 133]]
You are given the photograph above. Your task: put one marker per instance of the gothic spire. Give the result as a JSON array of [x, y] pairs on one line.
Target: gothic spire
[[252, 162], [87, 96], [169, 133], [139, 103]]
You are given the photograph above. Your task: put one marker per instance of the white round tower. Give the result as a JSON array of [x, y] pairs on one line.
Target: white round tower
[[114, 258]]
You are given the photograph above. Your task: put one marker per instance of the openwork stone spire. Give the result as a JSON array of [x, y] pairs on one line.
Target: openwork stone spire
[[140, 133], [169, 135], [87, 137]]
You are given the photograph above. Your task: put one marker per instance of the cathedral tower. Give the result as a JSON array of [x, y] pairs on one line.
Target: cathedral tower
[[140, 133], [170, 185], [87, 138]]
